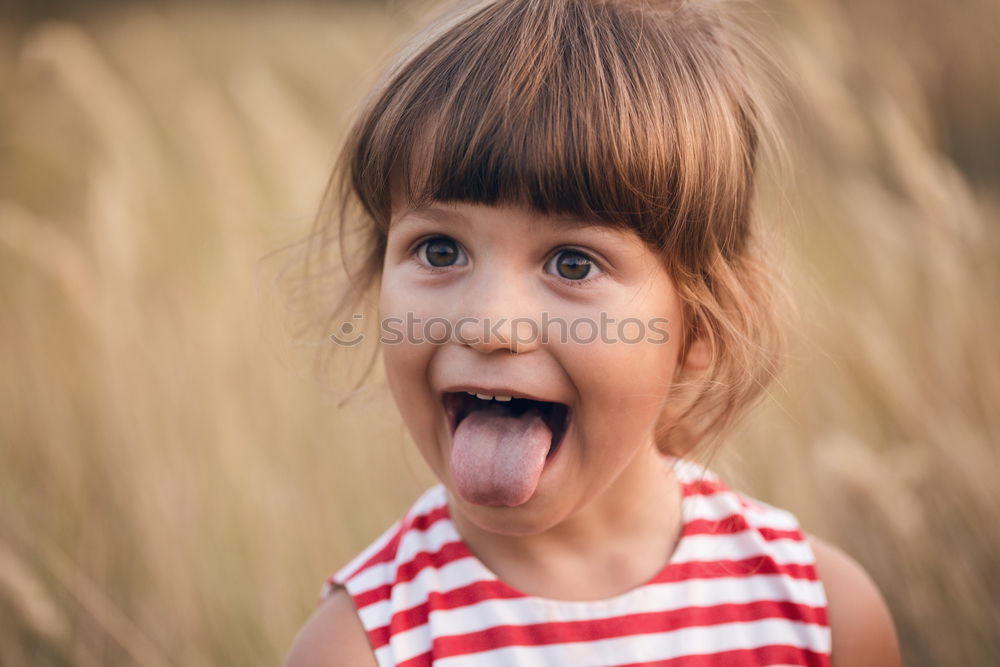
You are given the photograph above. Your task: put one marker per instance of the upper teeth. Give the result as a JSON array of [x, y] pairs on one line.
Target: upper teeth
[[487, 397]]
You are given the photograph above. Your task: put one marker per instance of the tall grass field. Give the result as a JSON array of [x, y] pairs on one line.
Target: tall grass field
[[175, 482]]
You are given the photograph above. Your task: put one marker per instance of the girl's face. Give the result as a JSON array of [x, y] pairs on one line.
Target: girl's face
[[582, 320]]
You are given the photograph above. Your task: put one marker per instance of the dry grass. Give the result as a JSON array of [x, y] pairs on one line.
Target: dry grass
[[175, 488]]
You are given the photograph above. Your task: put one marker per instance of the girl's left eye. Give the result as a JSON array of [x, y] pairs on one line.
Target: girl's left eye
[[572, 265], [440, 252]]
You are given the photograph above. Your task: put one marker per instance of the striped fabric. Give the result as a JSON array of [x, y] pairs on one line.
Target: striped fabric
[[740, 589]]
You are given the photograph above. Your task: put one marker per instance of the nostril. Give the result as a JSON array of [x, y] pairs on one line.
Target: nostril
[[511, 334]]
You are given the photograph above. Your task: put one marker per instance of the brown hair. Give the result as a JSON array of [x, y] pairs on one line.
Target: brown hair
[[631, 113]]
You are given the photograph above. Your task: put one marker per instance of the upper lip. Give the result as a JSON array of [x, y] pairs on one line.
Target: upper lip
[[497, 391]]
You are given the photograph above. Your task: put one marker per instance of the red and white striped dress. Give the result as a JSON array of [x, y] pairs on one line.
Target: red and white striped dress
[[740, 589]]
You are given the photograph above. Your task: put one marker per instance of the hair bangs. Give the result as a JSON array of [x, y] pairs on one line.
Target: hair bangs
[[583, 110]]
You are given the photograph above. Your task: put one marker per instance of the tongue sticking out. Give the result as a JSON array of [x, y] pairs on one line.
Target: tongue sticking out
[[497, 458]]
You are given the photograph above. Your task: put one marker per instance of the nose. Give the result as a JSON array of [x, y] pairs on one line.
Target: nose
[[498, 314]]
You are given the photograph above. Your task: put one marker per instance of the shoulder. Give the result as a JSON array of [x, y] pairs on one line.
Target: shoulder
[[332, 637], [861, 627]]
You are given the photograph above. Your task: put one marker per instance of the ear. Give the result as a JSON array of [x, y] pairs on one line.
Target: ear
[[699, 355]]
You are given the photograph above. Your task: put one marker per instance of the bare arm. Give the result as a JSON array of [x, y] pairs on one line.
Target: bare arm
[[332, 637], [861, 627]]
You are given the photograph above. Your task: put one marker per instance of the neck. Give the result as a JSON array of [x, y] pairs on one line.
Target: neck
[[614, 543]]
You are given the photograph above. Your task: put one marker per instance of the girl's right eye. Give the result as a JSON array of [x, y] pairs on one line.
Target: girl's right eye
[[440, 252]]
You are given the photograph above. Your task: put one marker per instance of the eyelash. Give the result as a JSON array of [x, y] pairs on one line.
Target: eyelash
[[421, 262], [418, 247], [583, 282]]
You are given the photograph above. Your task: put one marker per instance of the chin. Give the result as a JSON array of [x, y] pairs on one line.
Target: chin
[[525, 520]]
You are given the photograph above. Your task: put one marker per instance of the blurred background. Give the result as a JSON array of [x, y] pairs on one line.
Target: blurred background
[[175, 485]]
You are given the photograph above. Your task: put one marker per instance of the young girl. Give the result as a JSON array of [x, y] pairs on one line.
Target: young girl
[[555, 198]]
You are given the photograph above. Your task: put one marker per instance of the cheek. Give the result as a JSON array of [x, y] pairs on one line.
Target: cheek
[[639, 374], [394, 294], [623, 389], [412, 312], [406, 362], [406, 370], [399, 373]]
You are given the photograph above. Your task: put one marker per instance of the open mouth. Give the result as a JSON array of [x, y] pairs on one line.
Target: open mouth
[[460, 404]]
